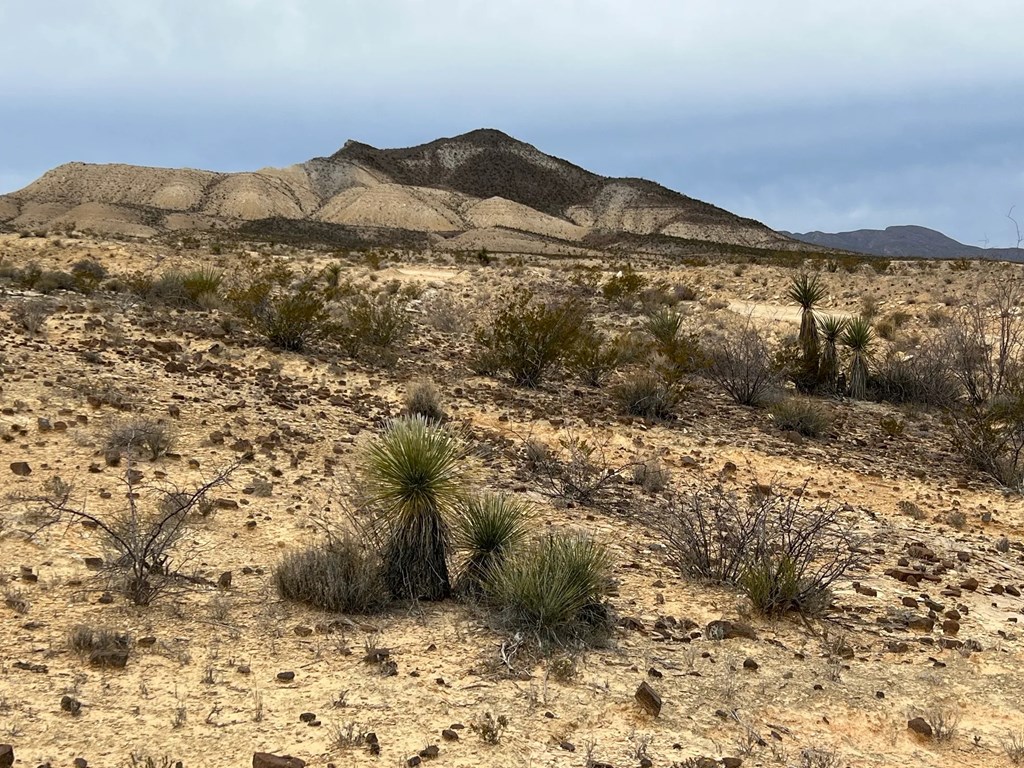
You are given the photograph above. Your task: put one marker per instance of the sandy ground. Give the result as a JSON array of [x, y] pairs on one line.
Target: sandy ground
[[201, 684]]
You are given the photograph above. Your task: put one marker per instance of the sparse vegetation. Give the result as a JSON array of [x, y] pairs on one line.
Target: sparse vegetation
[[554, 588], [805, 415], [740, 363], [782, 555], [527, 338], [487, 530], [342, 576], [414, 477], [645, 394]]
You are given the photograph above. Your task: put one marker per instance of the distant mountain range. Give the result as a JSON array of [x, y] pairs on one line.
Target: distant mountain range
[[905, 241], [481, 189]]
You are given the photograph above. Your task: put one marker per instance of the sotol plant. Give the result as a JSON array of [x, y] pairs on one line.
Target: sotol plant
[[807, 291], [830, 329], [414, 479], [489, 528], [857, 337]]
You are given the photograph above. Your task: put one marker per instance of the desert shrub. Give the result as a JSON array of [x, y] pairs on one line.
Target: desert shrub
[[651, 475], [645, 394], [595, 357], [15, 598], [664, 326], [372, 325], [923, 379], [579, 471], [289, 319], [985, 344], [31, 315], [741, 364], [991, 436], [487, 529], [445, 314], [554, 588], [489, 728], [677, 352], [88, 274], [102, 646], [202, 286], [527, 338], [624, 286], [343, 576], [143, 537], [55, 280], [424, 399], [1013, 746], [783, 555], [168, 288], [805, 415], [142, 436], [944, 721], [414, 483]]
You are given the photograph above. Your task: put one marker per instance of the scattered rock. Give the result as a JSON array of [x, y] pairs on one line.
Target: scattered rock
[[286, 677], [750, 664], [70, 705], [224, 582], [21, 468], [649, 699], [449, 735], [6, 756], [729, 630], [920, 726], [267, 760]]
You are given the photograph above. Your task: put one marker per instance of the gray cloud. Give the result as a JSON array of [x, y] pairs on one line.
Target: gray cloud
[[802, 113]]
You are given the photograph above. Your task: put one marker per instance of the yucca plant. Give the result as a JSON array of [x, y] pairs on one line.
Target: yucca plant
[[414, 476], [554, 589], [807, 291], [488, 529], [664, 327], [830, 329], [857, 337]]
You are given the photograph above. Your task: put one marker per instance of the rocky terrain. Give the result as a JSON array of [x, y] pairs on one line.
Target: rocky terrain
[[483, 189], [905, 241], [919, 661]]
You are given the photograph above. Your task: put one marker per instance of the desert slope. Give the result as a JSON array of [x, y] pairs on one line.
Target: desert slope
[[483, 181]]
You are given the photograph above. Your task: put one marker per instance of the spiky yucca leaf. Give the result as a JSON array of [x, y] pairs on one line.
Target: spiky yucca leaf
[[489, 527], [414, 476], [554, 588], [857, 337], [664, 326], [831, 328], [807, 291]]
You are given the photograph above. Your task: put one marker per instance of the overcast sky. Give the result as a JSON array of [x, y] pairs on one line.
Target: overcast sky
[[805, 114]]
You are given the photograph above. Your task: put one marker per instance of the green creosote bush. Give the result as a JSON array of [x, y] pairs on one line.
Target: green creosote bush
[[526, 338]]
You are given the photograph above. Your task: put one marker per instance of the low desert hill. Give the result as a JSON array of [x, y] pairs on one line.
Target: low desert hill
[[480, 189], [905, 241]]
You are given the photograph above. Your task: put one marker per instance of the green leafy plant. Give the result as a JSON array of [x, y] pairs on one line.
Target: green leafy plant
[[858, 337], [554, 588], [488, 528], [414, 482], [527, 338]]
